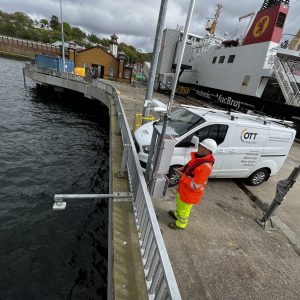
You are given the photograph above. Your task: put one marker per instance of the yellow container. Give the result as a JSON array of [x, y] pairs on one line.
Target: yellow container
[[79, 71]]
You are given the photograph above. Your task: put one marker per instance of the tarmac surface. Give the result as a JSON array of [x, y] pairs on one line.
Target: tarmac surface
[[288, 213], [224, 253]]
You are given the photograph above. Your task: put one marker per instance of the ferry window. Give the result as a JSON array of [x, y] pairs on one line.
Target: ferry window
[[216, 132], [214, 60], [280, 20], [221, 59], [231, 59]]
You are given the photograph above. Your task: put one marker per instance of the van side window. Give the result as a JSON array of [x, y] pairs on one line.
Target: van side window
[[222, 133], [216, 132]]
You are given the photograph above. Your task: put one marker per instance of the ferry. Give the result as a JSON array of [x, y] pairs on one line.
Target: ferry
[[260, 72]]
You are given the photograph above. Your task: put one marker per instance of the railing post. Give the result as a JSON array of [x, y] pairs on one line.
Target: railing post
[[119, 123], [123, 167]]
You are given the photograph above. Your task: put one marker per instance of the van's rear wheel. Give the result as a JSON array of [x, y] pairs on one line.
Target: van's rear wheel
[[258, 177], [173, 176]]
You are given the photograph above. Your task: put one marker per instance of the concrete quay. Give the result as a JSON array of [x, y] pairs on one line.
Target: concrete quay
[[287, 216], [224, 253]]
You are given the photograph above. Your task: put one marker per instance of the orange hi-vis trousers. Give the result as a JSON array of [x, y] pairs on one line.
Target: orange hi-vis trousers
[[182, 212]]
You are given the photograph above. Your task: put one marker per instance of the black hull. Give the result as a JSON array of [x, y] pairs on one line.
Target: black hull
[[242, 102]]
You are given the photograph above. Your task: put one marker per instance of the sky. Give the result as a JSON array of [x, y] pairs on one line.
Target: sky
[[135, 21]]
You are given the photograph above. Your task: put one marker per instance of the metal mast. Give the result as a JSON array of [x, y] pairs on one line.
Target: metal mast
[[62, 37], [160, 143], [211, 28], [155, 54]]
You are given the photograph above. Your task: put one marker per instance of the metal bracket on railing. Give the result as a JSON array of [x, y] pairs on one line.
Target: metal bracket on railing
[[124, 160], [59, 204], [119, 122]]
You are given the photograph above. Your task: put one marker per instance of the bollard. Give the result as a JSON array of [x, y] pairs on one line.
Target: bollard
[[24, 79], [283, 186]]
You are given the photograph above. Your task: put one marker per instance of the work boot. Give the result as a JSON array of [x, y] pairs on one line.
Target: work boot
[[172, 214], [174, 226]]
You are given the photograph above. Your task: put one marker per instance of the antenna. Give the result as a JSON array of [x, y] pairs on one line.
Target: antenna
[[246, 16]]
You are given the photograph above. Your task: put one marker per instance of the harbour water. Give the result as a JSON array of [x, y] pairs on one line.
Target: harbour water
[[51, 143]]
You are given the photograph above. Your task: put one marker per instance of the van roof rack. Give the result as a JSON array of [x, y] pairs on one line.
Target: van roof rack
[[236, 114]]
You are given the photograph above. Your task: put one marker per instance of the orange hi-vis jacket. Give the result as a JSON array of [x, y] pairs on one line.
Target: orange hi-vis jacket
[[192, 184]]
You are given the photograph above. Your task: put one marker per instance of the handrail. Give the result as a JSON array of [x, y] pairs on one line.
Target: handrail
[[290, 76], [290, 91], [290, 64], [160, 279]]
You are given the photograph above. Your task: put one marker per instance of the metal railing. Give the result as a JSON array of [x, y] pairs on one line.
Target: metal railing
[[160, 279], [55, 73], [286, 82]]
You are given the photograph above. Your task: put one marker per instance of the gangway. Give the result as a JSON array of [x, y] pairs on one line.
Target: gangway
[[287, 82]]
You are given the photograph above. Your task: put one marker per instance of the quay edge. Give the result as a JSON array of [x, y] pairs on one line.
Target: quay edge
[[125, 270]]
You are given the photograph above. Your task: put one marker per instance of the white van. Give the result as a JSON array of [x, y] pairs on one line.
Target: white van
[[249, 146]]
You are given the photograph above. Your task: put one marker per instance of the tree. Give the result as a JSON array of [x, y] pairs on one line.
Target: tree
[[44, 23], [67, 30], [54, 22], [20, 25], [22, 20], [94, 39], [105, 42], [77, 34]]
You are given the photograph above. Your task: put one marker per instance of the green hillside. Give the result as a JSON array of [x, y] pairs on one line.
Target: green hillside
[[20, 25]]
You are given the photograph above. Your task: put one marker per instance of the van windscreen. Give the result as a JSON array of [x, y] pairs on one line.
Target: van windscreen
[[182, 120]]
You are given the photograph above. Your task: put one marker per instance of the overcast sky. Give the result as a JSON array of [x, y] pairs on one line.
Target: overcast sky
[[134, 21]]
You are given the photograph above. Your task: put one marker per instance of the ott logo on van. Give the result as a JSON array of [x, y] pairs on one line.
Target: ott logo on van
[[248, 137]]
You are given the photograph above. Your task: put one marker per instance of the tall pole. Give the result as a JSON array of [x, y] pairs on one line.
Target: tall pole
[[62, 37], [181, 52], [155, 54], [166, 117]]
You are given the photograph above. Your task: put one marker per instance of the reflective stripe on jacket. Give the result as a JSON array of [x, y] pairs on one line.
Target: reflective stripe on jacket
[[191, 188]]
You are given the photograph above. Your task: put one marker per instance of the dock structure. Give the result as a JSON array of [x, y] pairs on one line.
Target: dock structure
[[139, 266], [222, 254]]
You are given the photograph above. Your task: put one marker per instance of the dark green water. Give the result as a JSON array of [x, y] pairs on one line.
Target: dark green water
[[51, 143]]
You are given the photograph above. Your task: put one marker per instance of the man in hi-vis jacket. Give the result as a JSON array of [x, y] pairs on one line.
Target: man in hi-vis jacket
[[192, 182]]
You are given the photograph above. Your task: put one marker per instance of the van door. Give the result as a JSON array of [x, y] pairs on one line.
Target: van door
[[277, 148], [216, 132], [243, 151]]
